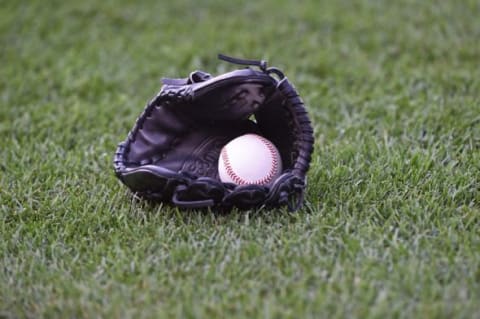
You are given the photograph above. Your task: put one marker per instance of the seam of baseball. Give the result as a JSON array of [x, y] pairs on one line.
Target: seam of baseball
[[238, 180], [274, 167], [228, 167]]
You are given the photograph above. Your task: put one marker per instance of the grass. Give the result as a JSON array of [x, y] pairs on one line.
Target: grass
[[391, 225]]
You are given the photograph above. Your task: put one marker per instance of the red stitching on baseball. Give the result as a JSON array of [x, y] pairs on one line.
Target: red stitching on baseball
[[239, 180], [230, 172]]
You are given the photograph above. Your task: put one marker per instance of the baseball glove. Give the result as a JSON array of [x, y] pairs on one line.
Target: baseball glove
[[171, 154]]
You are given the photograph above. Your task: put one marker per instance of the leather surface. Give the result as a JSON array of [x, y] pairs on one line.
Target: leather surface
[[172, 152]]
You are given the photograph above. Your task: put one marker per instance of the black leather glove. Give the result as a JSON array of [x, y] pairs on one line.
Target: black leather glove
[[172, 152]]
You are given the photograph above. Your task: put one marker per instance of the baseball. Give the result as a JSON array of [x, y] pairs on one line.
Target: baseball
[[249, 159]]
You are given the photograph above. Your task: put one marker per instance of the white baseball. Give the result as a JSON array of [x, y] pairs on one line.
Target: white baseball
[[249, 159]]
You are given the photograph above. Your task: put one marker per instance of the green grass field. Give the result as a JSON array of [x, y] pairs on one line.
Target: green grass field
[[391, 225]]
